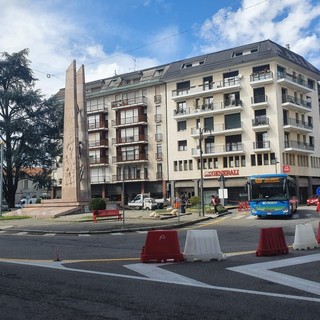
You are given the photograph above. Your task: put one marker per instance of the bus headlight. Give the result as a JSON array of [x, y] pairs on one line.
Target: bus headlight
[[253, 210]]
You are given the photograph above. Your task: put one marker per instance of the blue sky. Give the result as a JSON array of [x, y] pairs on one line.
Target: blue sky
[[109, 36]]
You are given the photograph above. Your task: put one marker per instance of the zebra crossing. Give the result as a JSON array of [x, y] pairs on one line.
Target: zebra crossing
[[6, 230]]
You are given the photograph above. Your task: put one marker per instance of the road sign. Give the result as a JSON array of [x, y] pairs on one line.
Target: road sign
[[318, 191]]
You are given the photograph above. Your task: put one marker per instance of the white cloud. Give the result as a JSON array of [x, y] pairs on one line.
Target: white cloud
[[285, 22]]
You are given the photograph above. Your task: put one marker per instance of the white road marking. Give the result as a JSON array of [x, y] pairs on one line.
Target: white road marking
[[117, 234], [49, 234], [22, 233], [262, 271], [6, 227], [179, 280]]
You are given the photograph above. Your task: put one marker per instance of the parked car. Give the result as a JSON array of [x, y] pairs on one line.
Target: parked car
[[312, 200]]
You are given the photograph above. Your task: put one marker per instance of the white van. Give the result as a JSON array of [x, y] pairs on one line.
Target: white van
[[25, 201]]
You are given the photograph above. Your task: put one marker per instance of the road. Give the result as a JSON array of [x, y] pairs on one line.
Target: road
[[101, 277]]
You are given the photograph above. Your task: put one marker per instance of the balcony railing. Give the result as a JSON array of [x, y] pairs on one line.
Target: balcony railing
[[159, 155], [98, 160], [130, 120], [298, 145], [261, 75], [203, 88], [260, 121], [97, 108], [261, 144], [219, 149], [291, 99], [129, 157], [215, 106], [98, 143], [130, 139], [298, 123], [130, 177], [294, 81], [129, 102], [97, 125]]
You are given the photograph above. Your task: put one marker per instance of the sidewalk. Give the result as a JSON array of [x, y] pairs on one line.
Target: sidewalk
[[134, 220]]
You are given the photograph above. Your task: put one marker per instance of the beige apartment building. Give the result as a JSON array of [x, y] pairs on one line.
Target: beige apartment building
[[221, 117]]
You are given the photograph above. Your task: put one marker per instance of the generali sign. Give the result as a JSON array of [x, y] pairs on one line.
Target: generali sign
[[218, 173]]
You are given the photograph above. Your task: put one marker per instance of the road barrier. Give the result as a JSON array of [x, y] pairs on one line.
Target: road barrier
[[271, 242], [202, 245], [243, 206], [304, 238], [161, 246]]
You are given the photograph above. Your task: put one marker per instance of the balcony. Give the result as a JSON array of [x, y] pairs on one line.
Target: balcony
[[259, 102], [96, 126], [98, 160], [209, 109], [125, 103], [293, 103], [218, 129], [216, 150], [293, 82], [260, 123], [227, 85], [259, 146], [298, 125], [130, 158], [135, 176], [300, 147], [141, 138], [99, 143], [100, 179], [100, 108], [261, 78], [129, 121]]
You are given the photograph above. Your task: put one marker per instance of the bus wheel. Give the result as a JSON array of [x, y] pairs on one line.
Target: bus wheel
[[259, 217]]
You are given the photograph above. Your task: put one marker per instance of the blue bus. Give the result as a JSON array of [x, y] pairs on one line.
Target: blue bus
[[272, 195]]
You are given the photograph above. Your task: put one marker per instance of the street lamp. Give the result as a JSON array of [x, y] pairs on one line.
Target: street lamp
[[275, 164], [201, 172]]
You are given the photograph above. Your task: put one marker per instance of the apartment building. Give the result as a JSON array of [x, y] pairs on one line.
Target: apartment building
[[221, 116]]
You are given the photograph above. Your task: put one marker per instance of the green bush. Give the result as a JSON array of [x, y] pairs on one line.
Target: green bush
[[97, 204], [194, 201]]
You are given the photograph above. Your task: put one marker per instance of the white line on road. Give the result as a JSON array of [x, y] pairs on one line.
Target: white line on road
[[179, 280], [262, 271]]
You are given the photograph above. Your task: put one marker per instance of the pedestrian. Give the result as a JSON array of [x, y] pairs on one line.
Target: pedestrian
[[216, 204]]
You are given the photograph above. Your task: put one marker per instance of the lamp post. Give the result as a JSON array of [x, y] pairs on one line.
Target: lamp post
[[275, 164], [201, 172]]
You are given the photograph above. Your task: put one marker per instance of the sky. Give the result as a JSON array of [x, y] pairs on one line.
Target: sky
[[118, 36]]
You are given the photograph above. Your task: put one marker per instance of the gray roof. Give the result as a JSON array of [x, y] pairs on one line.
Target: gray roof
[[228, 58]]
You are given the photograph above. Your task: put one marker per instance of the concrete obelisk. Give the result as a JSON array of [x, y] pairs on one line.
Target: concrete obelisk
[[76, 173]]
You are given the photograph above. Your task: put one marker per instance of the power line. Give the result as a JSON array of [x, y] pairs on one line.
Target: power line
[[49, 75]]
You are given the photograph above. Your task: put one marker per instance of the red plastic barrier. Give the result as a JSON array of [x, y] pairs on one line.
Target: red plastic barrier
[[318, 207], [243, 206], [271, 242], [161, 246]]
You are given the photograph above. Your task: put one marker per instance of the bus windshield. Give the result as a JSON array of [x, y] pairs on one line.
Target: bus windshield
[[271, 188]]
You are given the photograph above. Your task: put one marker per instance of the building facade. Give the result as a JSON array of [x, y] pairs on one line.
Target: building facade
[[221, 116]]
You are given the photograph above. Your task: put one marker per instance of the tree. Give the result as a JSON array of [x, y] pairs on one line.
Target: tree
[[30, 126]]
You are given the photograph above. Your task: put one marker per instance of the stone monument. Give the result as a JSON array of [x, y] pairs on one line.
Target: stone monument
[[76, 187]]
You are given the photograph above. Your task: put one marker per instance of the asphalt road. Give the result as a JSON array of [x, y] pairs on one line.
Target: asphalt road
[[101, 277]]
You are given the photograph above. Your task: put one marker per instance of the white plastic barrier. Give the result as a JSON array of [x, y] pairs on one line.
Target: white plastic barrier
[[202, 245], [304, 238]]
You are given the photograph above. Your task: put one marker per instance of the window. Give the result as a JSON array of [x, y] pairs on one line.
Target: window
[[253, 160], [182, 125], [182, 145], [208, 123], [181, 107], [259, 95], [232, 121]]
